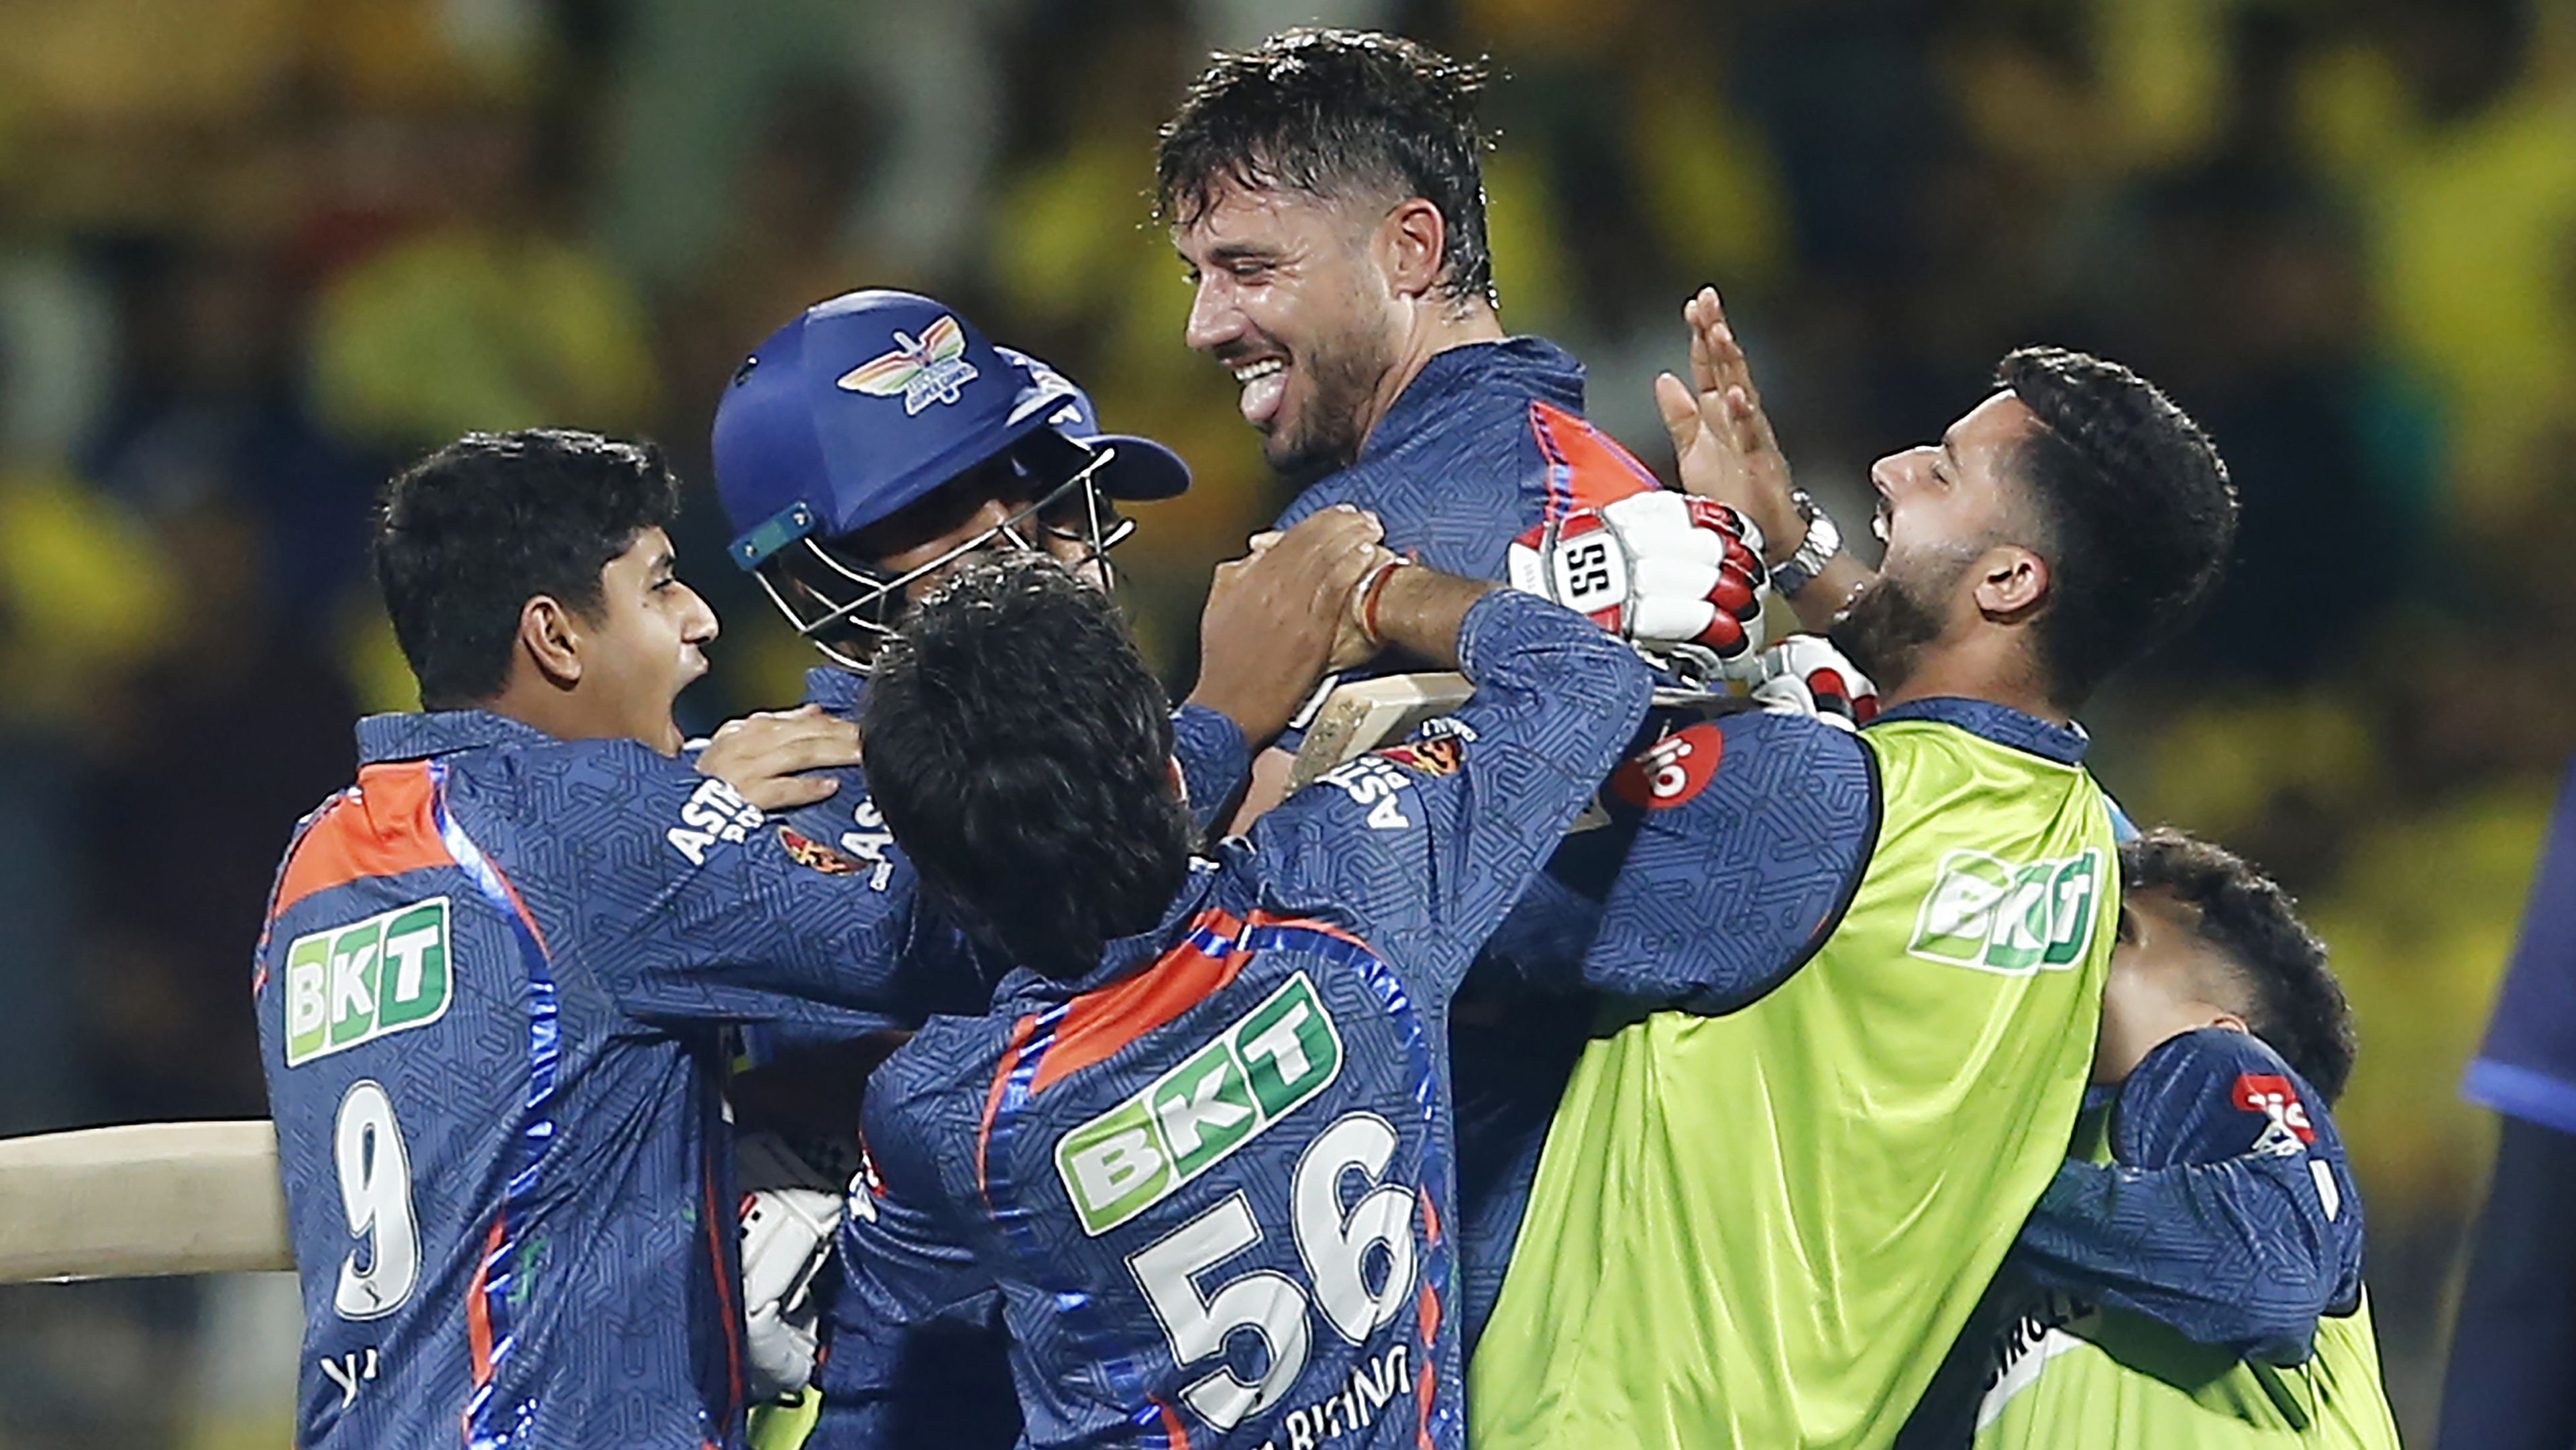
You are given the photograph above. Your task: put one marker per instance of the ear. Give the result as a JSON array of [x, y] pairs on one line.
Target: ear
[[2012, 583], [1180, 781], [1412, 244], [550, 637], [2230, 1021]]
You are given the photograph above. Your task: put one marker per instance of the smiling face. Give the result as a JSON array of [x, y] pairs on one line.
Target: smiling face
[[644, 644], [1944, 511], [1292, 300]]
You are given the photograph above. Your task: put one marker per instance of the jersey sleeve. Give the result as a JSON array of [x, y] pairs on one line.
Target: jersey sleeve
[[1434, 840], [2527, 1066], [2229, 1215], [1754, 830], [903, 1261], [1215, 760], [686, 904]]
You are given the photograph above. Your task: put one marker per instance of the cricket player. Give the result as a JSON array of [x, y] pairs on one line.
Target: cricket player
[[1325, 191], [863, 451], [2224, 1037], [1763, 1214], [1279, 1010], [496, 972], [2508, 1385]]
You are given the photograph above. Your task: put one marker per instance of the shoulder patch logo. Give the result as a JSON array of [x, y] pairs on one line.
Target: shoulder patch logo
[[353, 984], [813, 855], [1259, 1069], [2277, 1098], [921, 371], [1672, 771], [1437, 755], [1996, 916]]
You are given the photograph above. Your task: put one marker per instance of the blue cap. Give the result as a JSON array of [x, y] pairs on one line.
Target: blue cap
[[873, 399]]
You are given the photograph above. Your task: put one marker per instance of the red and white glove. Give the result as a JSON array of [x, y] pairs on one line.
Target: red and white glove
[[790, 1215], [1659, 569], [1805, 675]]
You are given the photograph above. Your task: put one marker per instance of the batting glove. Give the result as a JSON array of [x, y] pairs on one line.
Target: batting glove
[[1662, 570], [789, 1217], [1805, 675]]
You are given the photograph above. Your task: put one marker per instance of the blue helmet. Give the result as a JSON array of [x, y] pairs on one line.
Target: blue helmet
[[865, 405]]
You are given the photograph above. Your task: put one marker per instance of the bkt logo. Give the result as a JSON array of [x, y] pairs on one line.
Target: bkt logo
[[1987, 913], [356, 983], [1254, 1073]]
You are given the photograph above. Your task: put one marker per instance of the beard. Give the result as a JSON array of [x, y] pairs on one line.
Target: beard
[[1342, 374], [1886, 629]]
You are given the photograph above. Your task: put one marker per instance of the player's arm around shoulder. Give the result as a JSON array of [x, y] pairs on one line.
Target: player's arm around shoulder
[[683, 900], [1443, 832], [1754, 830], [2229, 1213]]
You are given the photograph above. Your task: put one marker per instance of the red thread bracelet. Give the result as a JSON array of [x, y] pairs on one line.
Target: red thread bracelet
[[1373, 586]]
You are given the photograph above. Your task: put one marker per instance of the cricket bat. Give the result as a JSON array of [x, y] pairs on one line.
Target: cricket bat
[[142, 1200], [1361, 716]]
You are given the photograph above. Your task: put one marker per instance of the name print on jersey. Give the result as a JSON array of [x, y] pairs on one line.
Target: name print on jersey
[[356, 983], [1987, 913], [1255, 1072]]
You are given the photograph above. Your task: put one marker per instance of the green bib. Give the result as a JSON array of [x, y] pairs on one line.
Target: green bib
[[1765, 1229], [2109, 1380]]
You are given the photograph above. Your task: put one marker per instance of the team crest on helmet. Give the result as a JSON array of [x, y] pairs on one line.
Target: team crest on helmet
[[924, 371]]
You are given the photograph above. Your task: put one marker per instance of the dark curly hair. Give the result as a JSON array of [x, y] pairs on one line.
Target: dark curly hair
[[2292, 1001], [2135, 505], [1333, 113], [1021, 752], [468, 535]]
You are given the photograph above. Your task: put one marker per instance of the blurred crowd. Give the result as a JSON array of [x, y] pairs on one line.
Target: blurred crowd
[[256, 253]]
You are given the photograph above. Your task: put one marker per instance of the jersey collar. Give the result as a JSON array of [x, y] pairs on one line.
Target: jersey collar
[[1521, 366], [1124, 957], [420, 735], [2001, 724], [840, 692]]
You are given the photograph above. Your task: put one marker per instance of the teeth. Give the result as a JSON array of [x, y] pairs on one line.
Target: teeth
[[1262, 369]]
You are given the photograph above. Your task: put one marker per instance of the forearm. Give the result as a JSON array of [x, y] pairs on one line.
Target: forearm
[[1421, 611], [1823, 599], [2224, 1254]]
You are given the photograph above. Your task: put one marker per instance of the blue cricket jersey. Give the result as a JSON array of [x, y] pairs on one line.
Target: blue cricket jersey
[[491, 996], [2527, 1066], [1209, 1185]]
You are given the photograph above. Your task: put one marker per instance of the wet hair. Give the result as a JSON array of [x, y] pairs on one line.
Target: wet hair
[[467, 536], [1021, 752], [2135, 507], [2290, 997], [1335, 113]]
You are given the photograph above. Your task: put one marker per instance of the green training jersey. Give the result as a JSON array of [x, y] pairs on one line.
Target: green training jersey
[[1766, 1229], [2106, 1380], [2082, 1378]]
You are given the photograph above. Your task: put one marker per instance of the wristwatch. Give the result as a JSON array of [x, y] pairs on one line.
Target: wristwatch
[[1823, 541]]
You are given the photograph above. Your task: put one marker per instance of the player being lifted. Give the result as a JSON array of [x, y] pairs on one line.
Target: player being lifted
[[1287, 221], [494, 971], [2224, 1037], [1200, 1146]]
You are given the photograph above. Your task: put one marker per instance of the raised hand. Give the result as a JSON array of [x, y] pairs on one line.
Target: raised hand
[[1721, 437]]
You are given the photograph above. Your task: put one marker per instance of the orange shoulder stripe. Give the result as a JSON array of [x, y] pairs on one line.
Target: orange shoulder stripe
[[385, 827], [1096, 1025], [1586, 467]]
